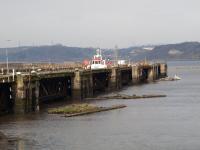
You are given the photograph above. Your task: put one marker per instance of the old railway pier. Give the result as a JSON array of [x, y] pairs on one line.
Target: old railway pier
[[24, 92]]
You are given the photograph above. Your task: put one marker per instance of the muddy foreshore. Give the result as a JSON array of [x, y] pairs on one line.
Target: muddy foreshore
[[123, 96]]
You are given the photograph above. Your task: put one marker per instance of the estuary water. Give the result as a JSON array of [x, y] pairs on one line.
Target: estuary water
[[171, 123]]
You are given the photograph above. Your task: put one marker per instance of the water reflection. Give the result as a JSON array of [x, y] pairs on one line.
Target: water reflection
[[11, 143]]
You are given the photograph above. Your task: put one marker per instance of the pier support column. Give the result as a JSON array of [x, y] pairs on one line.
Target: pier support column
[[156, 72], [87, 85], [115, 79], [90, 85], [76, 86], [151, 74], [135, 74], [82, 85], [19, 106], [163, 70], [27, 95], [36, 94]]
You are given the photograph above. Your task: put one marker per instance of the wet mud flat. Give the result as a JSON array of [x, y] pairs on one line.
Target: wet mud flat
[[123, 96]]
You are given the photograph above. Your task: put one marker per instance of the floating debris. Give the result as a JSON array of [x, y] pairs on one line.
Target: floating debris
[[175, 78]]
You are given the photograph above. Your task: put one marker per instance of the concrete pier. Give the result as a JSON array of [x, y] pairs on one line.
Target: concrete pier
[[28, 90]]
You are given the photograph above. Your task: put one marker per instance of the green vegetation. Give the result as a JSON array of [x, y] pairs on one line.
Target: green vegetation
[[74, 108]]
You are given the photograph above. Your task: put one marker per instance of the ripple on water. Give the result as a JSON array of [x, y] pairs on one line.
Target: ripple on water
[[162, 123]]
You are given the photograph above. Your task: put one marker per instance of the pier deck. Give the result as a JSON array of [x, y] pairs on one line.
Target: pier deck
[[24, 91]]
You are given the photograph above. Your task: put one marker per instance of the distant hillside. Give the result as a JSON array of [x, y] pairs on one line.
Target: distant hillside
[[181, 51], [187, 50], [55, 53], [60, 53]]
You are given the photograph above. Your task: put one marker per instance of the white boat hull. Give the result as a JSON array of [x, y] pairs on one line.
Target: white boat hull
[[98, 66]]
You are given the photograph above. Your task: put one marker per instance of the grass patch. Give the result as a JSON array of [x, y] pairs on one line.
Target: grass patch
[[74, 108]]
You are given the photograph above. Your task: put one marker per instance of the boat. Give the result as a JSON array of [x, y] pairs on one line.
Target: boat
[[176, 77], [97, 61]]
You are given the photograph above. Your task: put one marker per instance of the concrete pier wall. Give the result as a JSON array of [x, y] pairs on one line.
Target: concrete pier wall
[[27, 94], [135, 74], [163, 70], [115, 82], [82, 85], [29, 90]]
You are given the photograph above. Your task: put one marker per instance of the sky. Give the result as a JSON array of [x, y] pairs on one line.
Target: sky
[[98, 23]]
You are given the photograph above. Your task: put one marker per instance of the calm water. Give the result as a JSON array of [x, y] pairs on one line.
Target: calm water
[[170, 123]]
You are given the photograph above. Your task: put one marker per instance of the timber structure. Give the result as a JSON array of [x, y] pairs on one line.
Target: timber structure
[[24, 91]]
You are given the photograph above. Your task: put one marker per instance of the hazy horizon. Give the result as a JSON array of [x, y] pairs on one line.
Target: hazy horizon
[[77, 46], [93, 23]]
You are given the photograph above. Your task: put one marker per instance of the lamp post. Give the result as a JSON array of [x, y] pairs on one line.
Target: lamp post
[[7, 68], [7, 61]]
